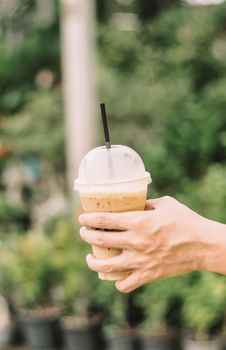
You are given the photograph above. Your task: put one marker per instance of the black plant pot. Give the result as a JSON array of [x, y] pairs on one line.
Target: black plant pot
[[223, 342], [41, 333], [214, 344], [84, 338], [17, 337], [123, 341], [170, 342]]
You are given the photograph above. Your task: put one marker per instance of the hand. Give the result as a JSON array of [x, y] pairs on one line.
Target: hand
[[164, 240]]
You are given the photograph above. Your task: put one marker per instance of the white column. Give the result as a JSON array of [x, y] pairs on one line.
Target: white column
[[78, 81]]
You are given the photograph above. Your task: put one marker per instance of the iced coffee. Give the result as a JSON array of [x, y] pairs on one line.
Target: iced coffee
[[114, 202], [112, 180]]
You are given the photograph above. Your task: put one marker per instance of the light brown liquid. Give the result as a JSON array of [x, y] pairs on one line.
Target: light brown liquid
[[114, 203]]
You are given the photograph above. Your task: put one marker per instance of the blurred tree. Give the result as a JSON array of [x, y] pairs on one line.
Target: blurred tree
[[106, 9], [27, 133], [27, 46], [165, 85], [145, 10], [149, 9], [102, 10]]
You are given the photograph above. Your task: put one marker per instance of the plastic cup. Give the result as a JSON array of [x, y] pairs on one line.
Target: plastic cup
[[112, 180]]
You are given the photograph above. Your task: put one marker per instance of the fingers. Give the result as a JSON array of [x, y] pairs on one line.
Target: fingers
[[130, 283], [119, 263], [118, 240], [112, 221]]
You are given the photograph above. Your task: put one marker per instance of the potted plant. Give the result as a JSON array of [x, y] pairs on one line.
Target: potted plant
[[35, 276], [119, 333], [6, 290], [156, 299], [75, 290], [203, 307]]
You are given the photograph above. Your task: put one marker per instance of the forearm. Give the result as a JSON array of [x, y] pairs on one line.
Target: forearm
[[214, 252]]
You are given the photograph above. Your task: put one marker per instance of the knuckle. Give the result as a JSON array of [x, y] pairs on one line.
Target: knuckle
[[167, 198], [130, 246], [106, 268], [102, 221], [141, 220], [99, 240], [136, 224], [124, 240], [130, 261], [139, 244]]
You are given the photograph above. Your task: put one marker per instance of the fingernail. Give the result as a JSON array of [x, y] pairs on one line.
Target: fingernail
[[88, 257], [120, 286], [81, 232], [81, 219]]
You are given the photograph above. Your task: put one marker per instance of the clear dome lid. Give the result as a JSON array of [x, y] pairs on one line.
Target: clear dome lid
[[114, 165]]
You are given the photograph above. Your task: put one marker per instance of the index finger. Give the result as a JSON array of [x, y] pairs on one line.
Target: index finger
[[111, 221]]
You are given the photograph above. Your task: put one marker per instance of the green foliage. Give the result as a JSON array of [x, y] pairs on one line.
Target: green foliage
[[114, 303], [208, 196], [27, 134], [149, 9], [7, 261], [164, 85], [19, 65], [33, 271], [145, 10], [156, 299], [12, 217], [77, 284], [204, 303], [202, 296], [39, 271]]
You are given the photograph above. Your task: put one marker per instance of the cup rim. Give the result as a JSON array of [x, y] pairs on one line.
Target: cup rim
[[146, 177]]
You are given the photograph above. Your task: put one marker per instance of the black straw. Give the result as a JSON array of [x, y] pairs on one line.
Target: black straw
[[105, 125]]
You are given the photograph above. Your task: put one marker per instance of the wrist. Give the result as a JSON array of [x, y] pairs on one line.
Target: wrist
[[213, 242]]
